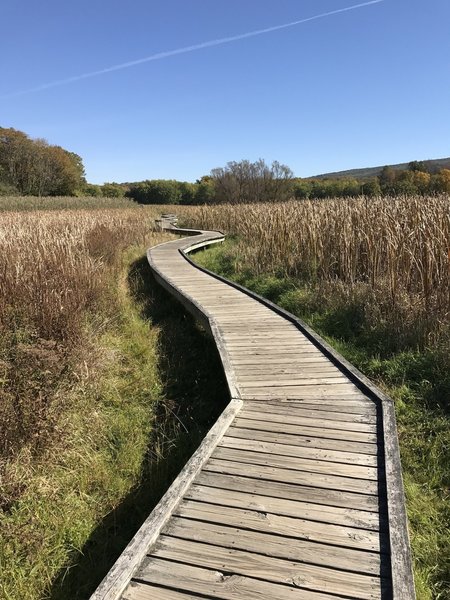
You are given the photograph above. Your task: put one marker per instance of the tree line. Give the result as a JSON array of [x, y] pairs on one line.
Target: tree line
[[35, 167], [237, 182], [246, 182], [418, 178]]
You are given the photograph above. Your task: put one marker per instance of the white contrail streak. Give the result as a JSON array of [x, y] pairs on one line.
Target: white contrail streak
[[210, 44]]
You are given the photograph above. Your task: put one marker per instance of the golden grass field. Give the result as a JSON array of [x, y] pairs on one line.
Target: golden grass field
[[78, 383], [398, 247]]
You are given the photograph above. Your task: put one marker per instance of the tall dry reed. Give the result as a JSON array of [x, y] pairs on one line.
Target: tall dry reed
[[397, 247], [55, 276]]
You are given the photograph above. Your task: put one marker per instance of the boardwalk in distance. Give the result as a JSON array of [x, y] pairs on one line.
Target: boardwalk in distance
[[296, 492]]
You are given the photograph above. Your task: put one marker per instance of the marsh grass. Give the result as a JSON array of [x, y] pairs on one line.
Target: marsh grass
[[191, 393], [55, 296], [32, 203], [393, 249]]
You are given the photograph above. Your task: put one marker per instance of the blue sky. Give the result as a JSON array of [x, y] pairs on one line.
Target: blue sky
[[364, 87]]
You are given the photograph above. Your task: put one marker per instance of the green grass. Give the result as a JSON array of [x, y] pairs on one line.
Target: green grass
[[105, 429], [418, 382], [151, 387]]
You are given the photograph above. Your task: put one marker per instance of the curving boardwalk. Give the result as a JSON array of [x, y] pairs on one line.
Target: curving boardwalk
[[296, 492]]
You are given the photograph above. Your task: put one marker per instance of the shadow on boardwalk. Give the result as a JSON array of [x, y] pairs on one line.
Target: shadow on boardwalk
[[196, 393]]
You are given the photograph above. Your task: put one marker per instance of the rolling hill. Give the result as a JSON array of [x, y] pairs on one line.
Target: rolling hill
[[368, 172]]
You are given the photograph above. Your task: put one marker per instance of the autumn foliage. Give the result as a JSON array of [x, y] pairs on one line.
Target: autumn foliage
[[34, 167]]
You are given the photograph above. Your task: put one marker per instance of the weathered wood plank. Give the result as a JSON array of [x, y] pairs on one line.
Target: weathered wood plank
[[336, 557], [269, 380], [298, 361], [267, 371], [215, 584], [348, 484], [240, 562], [309, 421], [305, 429], [334, 456], [358, 406], [295, 463], [118, 577], [289, 491], [336, 390], [302, 440], [311, 413], [281, 506], [146, 591]]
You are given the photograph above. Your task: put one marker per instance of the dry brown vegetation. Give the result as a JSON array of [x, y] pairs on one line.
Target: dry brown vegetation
[[394, 249], [79, 383], [55, 270]]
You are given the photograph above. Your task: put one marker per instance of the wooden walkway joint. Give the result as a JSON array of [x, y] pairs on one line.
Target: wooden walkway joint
[[296, 492]]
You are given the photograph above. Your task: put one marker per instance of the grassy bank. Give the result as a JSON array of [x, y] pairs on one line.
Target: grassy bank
[[170, 385], [98, 411], [418, 379]]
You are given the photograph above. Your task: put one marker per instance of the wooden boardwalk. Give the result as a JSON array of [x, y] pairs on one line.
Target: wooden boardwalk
[[296, 492]]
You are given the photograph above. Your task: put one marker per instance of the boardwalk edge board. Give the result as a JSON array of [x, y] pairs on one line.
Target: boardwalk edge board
[[120, 574], [113, 585]]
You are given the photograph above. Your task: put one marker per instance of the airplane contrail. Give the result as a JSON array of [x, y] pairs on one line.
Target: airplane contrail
[[185, 49]]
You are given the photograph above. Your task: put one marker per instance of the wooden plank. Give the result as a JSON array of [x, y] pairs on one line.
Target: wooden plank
[[314, 389], [279, 329], [276, 320], [289, 369], [119, 575], [271, 381], [295, 463], [303, 551], [305, 440], [281, 506], [215, 584], [304, 369], [247, 363], [334, 482], [146, 591], [271, 333], [309, 577], [293, 361], [310, 421], [401, 560], [312, 413], [230, 318], [326, 533], [250, 324], [283, 352], [358, 406], [321, 392], [334, 456], [239, 309], [289, 491], [269, 341], [304, 429]]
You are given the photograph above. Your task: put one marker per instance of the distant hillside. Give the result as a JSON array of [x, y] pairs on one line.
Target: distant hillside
[[433, 166]]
